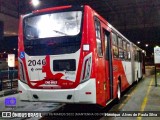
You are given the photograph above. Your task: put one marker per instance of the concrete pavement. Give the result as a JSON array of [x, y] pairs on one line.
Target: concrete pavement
[[144, 99]]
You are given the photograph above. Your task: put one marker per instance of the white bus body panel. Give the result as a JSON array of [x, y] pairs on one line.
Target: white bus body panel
[[60, 95], [127, 66]]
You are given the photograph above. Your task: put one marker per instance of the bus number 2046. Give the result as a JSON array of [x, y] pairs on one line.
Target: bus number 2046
[[36, 62]]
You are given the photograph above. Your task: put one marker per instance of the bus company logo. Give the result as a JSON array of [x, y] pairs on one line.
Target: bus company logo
[[6, 114], [10, 102], [32, 69]]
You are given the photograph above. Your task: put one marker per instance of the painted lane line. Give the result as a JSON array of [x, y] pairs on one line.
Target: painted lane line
[[127, 99], [144, 103]]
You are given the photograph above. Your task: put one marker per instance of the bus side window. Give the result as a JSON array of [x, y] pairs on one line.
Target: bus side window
[[135, 53], [98, 37], [139, 56], [106, 36], [125, 49], [120, 47], [115, 45], [128, 52]]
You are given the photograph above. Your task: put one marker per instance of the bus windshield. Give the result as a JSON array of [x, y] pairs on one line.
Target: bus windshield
[[60, 30], [53, 25]]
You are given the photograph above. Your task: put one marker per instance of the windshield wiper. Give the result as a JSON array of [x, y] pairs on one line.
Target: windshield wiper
[[60, 32]]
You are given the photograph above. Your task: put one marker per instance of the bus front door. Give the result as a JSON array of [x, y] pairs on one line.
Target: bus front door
[[108, 66]]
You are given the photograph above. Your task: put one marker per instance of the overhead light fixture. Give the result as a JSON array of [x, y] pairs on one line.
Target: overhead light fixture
[[138, 42], [35, 3], [146, 45]]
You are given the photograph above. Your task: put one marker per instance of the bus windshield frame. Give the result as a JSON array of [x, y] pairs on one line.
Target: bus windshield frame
[[42, 37]]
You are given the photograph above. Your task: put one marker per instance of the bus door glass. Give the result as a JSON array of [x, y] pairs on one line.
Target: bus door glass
[[108, 64]]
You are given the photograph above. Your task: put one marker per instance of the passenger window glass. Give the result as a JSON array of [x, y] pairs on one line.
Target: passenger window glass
[[124, 45], [114, 39], [120, 43], [97, 27], [121, 55], [135, 53], [128, 47], [125, 49], [98, 37], [115, 51], [128, 51], [115, 45], [106, 46], [138, 56], [129, 55], [125, 55], [99, 47]]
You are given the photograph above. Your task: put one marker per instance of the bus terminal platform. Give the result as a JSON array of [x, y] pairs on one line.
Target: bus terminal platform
[[143, 99]]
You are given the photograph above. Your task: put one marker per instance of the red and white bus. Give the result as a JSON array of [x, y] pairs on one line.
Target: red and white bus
[[72, 55]]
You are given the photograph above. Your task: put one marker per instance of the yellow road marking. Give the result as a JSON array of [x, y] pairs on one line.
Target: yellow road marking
[[127, 99], [145, 99]]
